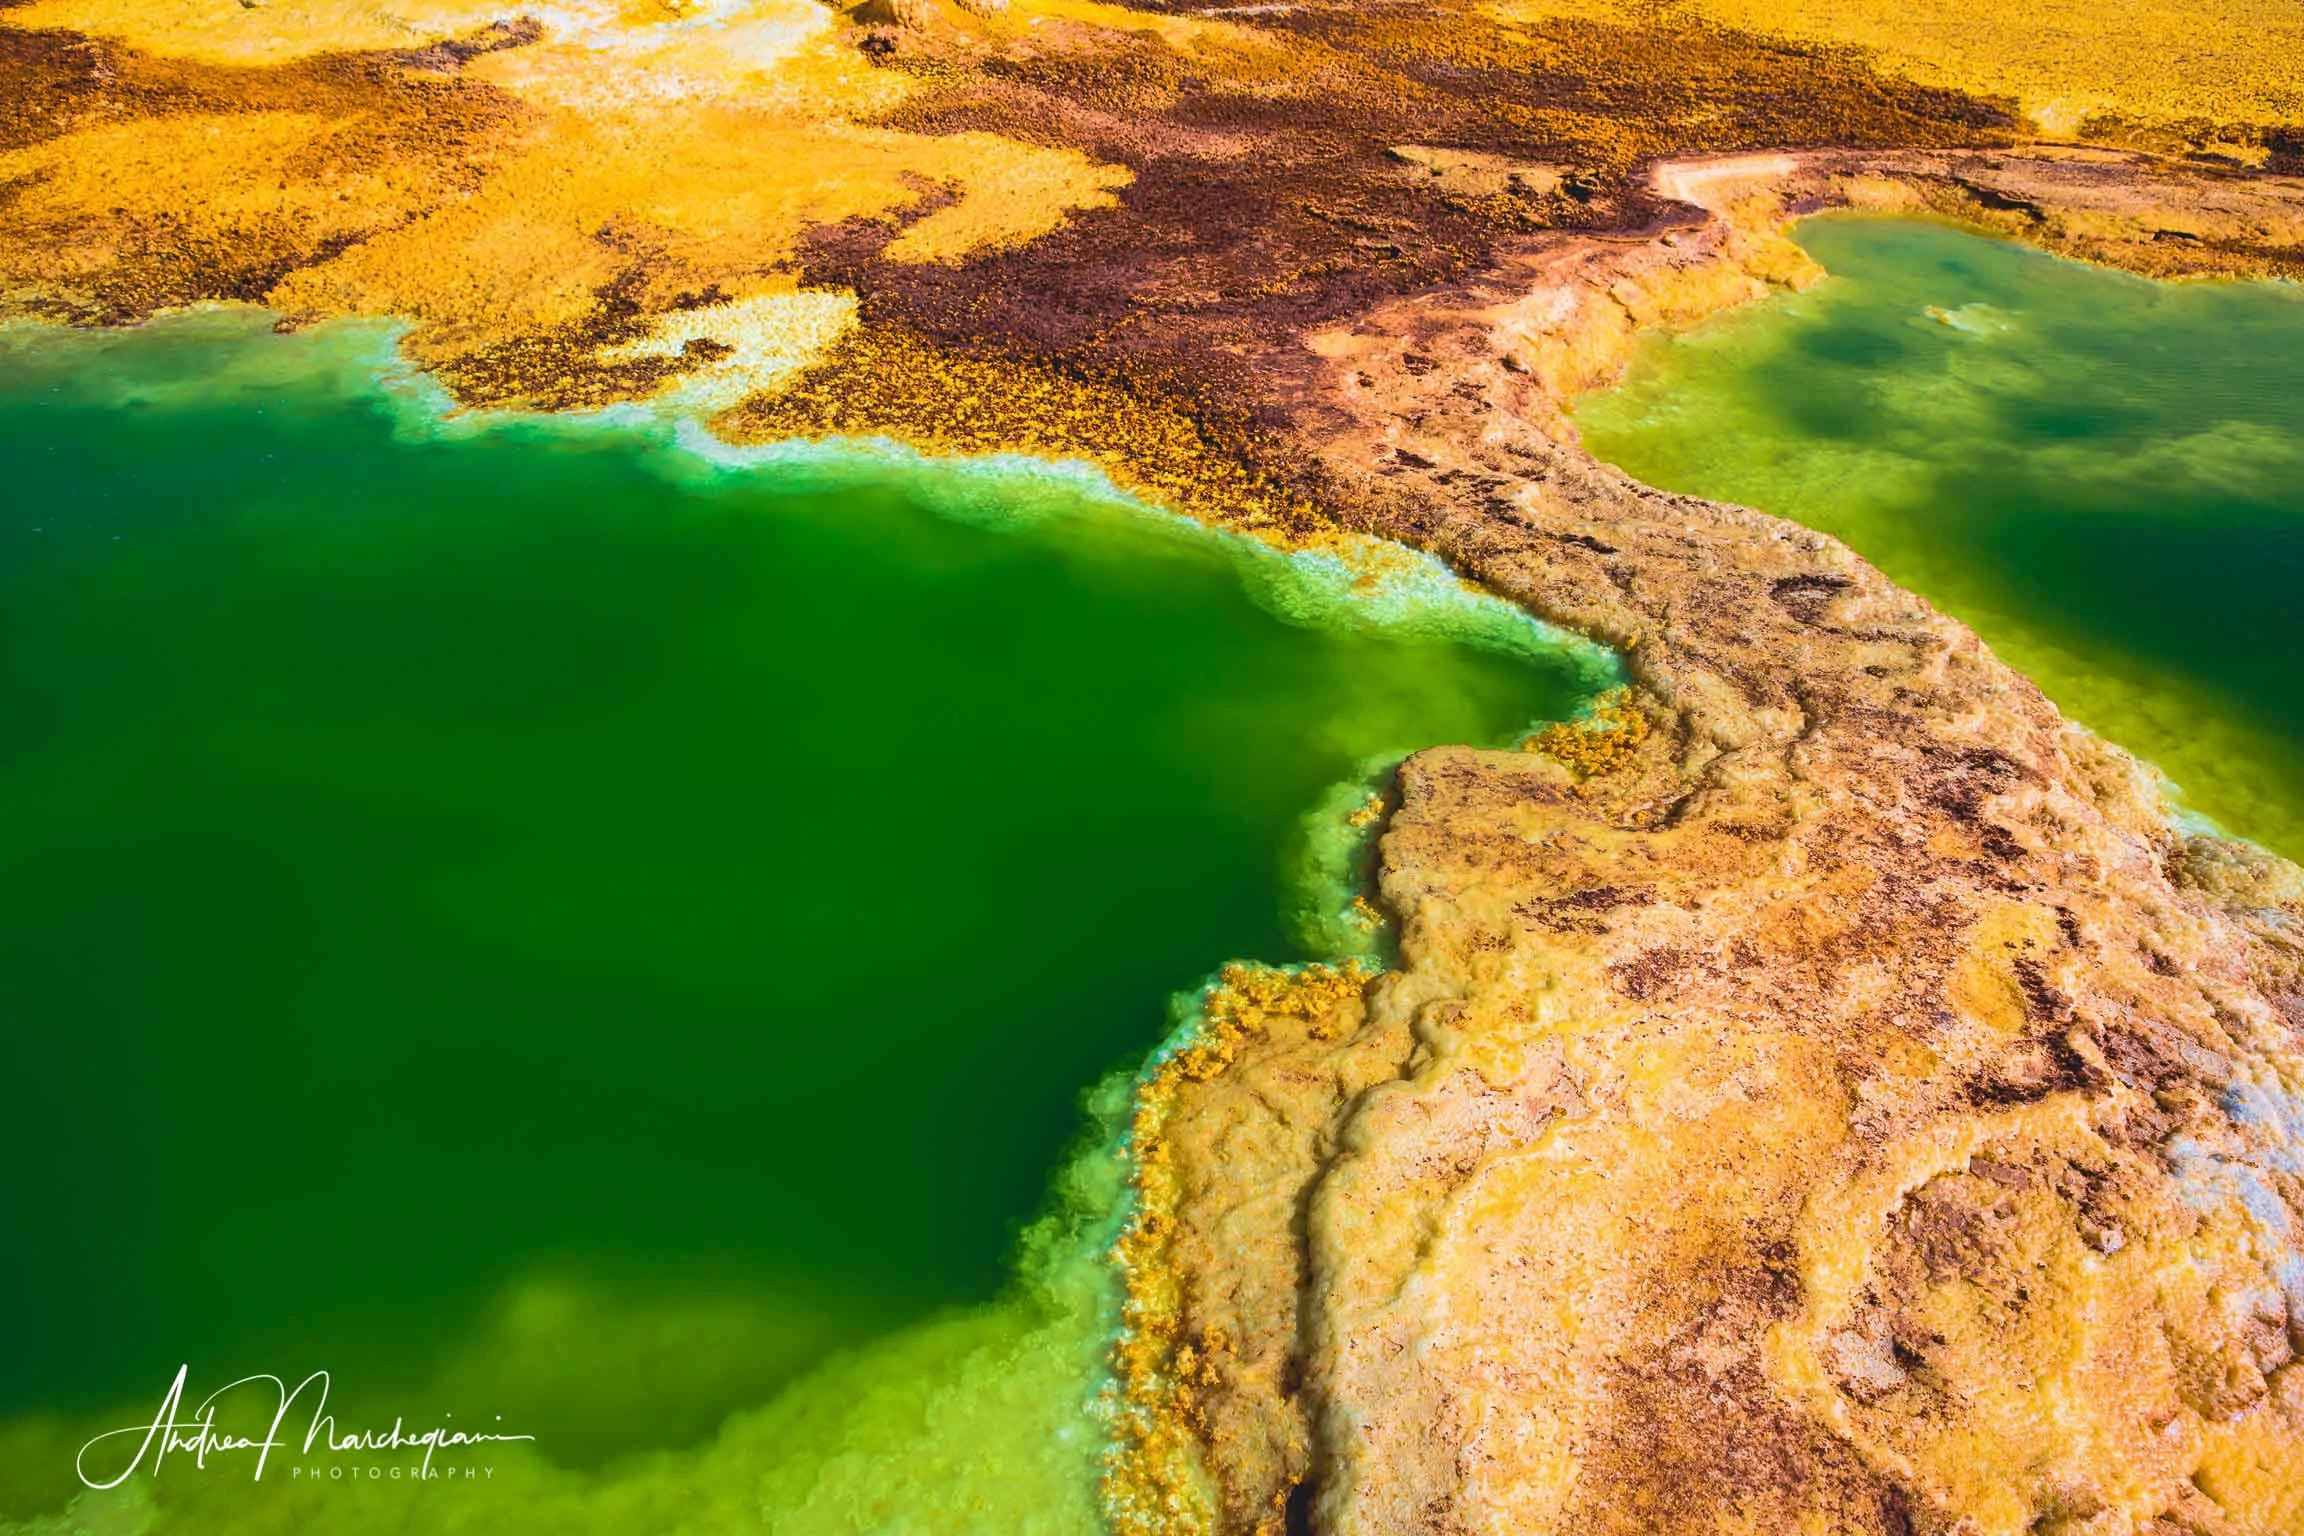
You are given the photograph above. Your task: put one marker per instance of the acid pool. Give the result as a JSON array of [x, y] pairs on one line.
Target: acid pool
[[574, 930], [2103, 475]]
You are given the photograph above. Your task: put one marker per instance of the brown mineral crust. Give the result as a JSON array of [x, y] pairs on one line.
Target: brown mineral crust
[[1150, 437], [1276, 180], [1862, 1110], [48, 77], [2161, 217]]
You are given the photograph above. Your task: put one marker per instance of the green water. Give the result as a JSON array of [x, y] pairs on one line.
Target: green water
[[541, 921], [2104, 476]]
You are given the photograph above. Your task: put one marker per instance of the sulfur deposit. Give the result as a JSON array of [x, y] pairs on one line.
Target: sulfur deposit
[[1822, 1092]]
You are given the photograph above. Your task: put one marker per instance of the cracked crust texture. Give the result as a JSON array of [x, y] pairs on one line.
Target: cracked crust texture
[[1833, 1098]]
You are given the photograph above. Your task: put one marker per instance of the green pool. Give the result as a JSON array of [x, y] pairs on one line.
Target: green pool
[[567, 928], [2102, 474]]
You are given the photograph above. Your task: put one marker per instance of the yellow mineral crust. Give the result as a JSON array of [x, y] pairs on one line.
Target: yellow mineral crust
[[1176, 1346], [682, 202], [228, 32], [582, 52], [2065, 61], [782, 55], [745, 346], [1609, 737], [199, 170], [655, 156], [2030, 1324]]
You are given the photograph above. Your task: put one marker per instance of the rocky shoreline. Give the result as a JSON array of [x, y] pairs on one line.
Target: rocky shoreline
[[1856, 1106]]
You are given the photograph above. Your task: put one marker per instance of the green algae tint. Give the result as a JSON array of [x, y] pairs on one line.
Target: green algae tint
[[2103, 475], [542, 921]]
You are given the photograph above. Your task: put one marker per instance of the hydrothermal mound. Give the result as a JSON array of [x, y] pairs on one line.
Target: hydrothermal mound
[[1826, 1092], [1834, 1097]]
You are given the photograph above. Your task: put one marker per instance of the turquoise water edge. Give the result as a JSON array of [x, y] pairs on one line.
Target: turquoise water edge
[[580, 931]]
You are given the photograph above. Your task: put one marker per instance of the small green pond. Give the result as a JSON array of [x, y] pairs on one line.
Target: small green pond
[[2103, 475]]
